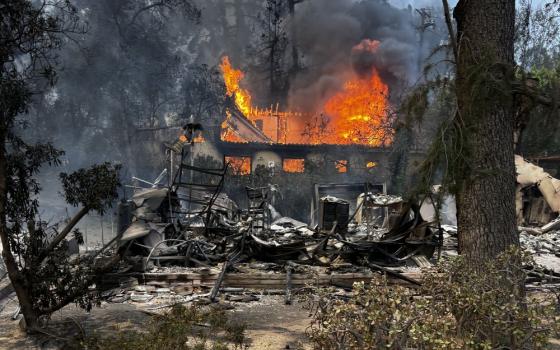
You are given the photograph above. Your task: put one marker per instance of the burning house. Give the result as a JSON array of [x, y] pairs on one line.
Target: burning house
[[335, 131], [352, 133], [267, 156], [194, 221]]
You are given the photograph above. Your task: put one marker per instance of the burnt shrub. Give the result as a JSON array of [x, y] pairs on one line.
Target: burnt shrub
[[181, 328], [457, 307]]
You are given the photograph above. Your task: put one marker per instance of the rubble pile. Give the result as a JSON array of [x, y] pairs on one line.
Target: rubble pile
[[544, 247], [192, 225], [191, 222], [547, 243], [383, 230]]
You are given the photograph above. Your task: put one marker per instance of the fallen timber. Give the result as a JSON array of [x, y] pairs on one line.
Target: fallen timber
[[258, 280]]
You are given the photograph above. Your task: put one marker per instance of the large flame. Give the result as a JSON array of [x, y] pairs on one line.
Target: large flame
[[358, 114], [232, 78]]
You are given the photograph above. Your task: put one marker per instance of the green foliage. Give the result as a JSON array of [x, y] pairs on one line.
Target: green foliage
[[16, 96], [182, 328], [436, 101], [458, 307], [22, 164], [52, 282], [540, 123], [50, 279], [44, 275], [30, 29], [417, 104], [485, 89], [94, 188], [547, 77]]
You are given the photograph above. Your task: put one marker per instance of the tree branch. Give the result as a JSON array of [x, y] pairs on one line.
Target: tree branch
[[146, 8], [533, 93], [450, 29], [104, 267], [59, 237]]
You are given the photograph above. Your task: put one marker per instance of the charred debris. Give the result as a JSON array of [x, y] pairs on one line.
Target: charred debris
[[190, 222], [182, 231]]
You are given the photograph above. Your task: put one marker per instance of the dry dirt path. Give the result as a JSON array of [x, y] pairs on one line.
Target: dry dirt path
[[270, 323]]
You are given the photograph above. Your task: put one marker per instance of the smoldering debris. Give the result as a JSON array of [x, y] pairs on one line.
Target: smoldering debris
[[190, 232], [187, 241], [208, 236]]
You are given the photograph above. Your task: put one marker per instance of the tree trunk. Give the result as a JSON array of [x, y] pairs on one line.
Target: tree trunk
[[16, 278], [486, 196]]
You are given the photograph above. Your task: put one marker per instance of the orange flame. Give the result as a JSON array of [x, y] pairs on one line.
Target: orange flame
[[293, 165], [341, 166], [358, 113], [366, 45], [239, 165], [232, 77], [228, 133], [199, 139]]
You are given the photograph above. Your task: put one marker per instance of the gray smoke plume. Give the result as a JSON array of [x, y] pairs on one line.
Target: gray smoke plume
[[137, 72], [329, 30]]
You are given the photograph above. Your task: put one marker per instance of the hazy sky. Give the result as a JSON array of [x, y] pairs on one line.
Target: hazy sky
[[434, 3], [420, 3]]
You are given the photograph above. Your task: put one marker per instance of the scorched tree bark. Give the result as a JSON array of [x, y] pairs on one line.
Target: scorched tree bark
[[485, 61]]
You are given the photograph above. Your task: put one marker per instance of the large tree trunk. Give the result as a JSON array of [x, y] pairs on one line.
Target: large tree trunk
[[486, 196], [16, 278]]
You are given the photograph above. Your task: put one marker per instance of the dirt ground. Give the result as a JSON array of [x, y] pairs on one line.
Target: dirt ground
[[270, 323], [273, 325]]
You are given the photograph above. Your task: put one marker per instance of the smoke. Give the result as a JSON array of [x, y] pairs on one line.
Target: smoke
[[364, 57], [119, 83], [140, 70], [345, 37]]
